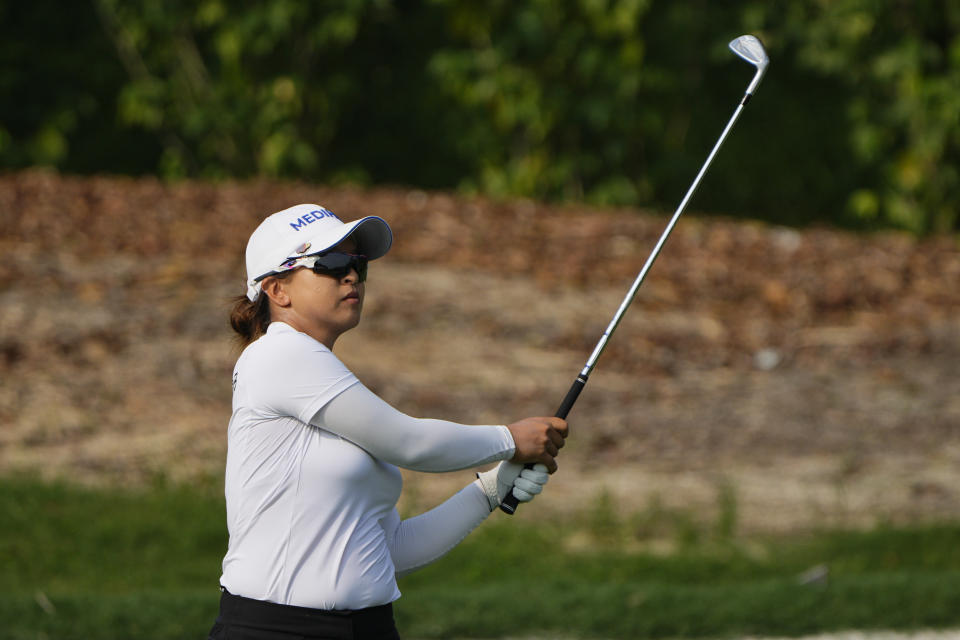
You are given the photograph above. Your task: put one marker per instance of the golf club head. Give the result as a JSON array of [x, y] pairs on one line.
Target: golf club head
[[751, 49]]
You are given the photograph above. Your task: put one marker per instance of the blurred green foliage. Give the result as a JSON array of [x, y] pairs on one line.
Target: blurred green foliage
[[605, 101]]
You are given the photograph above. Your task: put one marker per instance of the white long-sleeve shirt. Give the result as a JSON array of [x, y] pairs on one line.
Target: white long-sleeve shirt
[[312, 480]]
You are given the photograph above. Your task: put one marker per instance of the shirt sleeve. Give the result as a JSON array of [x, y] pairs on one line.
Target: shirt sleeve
[[418, 541], [421, 444], [294, 375]]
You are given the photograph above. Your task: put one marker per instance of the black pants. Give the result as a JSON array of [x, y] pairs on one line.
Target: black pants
[[245, 619]]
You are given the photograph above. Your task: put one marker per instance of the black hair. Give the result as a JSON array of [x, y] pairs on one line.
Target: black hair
[[251, 319]]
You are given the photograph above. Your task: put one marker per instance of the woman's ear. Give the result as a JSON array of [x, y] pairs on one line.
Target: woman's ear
[[275, 289]]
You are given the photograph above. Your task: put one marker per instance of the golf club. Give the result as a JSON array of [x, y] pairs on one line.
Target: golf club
[[750, 49]]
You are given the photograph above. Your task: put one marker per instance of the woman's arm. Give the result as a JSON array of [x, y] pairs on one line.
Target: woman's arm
[[299, 377], [361, 417], [418, 541]]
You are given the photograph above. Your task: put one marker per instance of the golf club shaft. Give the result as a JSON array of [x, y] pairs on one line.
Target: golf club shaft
[[618, 316], [509, 504]]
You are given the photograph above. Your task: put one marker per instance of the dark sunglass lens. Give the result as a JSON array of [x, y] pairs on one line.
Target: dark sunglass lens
[[361, 266], [339, 265]]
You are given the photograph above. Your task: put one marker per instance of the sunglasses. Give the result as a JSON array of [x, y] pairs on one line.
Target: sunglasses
[[335, 264]]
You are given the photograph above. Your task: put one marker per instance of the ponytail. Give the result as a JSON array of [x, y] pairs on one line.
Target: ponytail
[[250, 319]]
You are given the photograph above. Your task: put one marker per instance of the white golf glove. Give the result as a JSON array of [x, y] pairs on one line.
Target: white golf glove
[[526, 483]]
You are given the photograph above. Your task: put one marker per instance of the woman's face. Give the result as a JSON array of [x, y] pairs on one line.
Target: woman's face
[[322, 306]]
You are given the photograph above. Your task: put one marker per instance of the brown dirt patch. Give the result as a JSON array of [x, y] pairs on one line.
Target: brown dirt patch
[[817, 373]]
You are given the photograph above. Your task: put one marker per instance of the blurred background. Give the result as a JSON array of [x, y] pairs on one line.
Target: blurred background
[[771, 442], [607, 102]]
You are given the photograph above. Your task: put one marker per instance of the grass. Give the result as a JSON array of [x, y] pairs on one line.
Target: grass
[[84, 563]]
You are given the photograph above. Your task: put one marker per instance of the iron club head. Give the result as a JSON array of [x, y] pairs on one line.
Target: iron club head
[[751, 49]]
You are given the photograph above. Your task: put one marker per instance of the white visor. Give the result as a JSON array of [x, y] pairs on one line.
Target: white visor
[[308, 229]]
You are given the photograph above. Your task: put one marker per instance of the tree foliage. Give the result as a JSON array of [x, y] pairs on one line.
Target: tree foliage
[[899, 68], [607, 101]]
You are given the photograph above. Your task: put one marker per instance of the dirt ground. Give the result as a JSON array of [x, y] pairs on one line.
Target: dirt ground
[[812, 375]]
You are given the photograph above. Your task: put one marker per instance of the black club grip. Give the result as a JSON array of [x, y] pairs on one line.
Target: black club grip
[[509, 504]]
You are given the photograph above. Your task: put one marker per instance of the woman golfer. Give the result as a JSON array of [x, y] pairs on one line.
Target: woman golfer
[[312, 475]]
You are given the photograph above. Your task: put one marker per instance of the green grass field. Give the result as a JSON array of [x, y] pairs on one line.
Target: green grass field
[[82, 563]]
